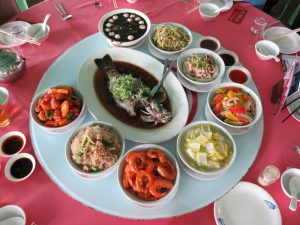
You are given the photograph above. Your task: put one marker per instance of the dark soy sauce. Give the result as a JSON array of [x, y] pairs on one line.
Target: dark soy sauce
[[228, 59], [107, 100], [209, 44], [12, 145], [21, 168]]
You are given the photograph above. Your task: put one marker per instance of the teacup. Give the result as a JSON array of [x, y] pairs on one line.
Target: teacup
[[209, 11]]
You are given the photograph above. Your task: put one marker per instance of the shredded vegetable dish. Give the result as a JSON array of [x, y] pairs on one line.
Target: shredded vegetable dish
[[96, 148], [170, 38], [200, 67], [233, 106], [206, 148]]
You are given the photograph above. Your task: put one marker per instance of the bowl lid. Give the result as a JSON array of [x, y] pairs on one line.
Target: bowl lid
[[10, 61]]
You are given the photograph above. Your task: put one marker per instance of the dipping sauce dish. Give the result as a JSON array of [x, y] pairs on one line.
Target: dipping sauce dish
[[12, 143]]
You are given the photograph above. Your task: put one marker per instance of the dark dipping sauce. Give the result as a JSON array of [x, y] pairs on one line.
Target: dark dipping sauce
[[107, 100], [21, 168], [228, 59], [238, 76], [129, 27], [12, 145], [209, 44]]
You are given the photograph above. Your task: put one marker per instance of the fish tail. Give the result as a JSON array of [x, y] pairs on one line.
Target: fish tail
[[105, 64]]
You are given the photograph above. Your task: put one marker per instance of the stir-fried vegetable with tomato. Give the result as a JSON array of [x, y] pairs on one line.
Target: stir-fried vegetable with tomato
[[233, 106], [58, 107]]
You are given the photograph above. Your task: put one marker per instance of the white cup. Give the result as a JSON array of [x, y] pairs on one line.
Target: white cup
[[34, 34], [209, 11], [266, 50]]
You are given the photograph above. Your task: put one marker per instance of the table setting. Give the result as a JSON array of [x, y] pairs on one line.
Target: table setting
[[211, 142]]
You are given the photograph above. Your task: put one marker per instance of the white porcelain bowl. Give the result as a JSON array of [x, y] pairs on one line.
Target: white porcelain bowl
[[285, 179], [62, 129], [234, 130], [166, 52], [34, 29], [134, 198], [4, 96], [209, 11], [12, 160], [265, 49], [10, 211], [195, 85], [8, 136], [128, 43], [239, 74], [190, 169], [99, 174], [233, 60]]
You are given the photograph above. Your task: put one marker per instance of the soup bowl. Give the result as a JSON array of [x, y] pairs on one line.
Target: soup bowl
[[94, 140], [243, 107], [46, 109], [205, 150], [189, 76], [155, 157]]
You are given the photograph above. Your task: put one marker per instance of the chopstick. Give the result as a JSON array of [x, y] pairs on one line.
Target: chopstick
[[279, 36], [290, 102], [115, 3], [19, 38], [286, 118], [193, 9]]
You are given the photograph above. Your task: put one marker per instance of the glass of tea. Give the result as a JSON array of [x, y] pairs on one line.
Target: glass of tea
[[239, 74], [5, 117]]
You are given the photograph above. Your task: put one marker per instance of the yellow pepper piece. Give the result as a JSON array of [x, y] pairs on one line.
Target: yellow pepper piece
[[230, 115], [231, 94]]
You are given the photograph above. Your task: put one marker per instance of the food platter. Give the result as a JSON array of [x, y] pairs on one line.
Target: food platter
[[94, 193], [247, 204], [172, 86]]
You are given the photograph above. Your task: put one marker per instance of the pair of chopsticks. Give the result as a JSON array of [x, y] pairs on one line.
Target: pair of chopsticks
[[295, 110], [115, 4], [193, 9], [279, 36], [19, 37]]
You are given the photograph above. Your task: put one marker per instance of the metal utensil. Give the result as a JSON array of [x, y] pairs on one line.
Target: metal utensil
[[97, 4], [166, 71], [59, 7]]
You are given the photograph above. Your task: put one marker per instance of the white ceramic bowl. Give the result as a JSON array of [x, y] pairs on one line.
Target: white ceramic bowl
[[10, 211], [4, 96], [166, 52], [201, 43], [209, 11], [233, 75], [187, 167], [265, 49], [199, 86], [62, 129], [93, 175], [285, 179], [34, 29], [12, 160], [124, 43], [234, 130], [234, 57], [135, 199], [9, 135]]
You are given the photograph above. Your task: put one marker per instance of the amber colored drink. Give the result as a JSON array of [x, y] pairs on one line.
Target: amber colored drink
[[4, 117]]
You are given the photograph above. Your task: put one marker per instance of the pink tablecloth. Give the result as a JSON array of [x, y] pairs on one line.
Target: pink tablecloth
[[45, 203]]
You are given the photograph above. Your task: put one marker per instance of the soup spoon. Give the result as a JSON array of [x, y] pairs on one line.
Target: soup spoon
[[294, 186], [266, 52]]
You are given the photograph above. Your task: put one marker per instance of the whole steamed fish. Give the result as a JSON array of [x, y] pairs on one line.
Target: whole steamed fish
[[132, 95]]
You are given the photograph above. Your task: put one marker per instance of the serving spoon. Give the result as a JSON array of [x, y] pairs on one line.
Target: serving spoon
[[294, 186]]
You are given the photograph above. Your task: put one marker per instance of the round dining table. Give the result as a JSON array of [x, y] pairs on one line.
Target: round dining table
[[45, 202]]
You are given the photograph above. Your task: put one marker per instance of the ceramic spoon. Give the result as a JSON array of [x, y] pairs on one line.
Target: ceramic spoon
[[294, 186], [266, 52], [42, 31], [13, 221]]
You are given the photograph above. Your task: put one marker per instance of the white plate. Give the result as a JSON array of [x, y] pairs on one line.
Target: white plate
[[287, 45], [173, 87], [224, 4], [247, 204], [6, 40], [294, 105]]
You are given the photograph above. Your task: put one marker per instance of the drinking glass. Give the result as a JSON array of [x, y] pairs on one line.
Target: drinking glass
[[269, 175], [256, 31]]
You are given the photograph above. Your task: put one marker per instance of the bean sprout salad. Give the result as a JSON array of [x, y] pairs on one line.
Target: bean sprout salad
[[170, 38]]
